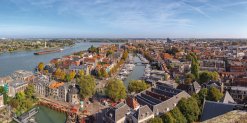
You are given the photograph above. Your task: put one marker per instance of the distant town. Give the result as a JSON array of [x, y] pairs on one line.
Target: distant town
[[182, 81]]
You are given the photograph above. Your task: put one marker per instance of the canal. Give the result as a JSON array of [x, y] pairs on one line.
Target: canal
[[137, 72]]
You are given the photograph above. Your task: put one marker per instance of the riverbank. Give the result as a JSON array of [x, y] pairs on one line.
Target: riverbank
[[26, 45]]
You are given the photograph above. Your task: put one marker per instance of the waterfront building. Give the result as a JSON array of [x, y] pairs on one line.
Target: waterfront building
[[41, 84], [16, 87], [55, 91], [73, 94], [22, 75]]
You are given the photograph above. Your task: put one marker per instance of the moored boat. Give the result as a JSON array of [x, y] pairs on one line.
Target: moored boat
[[48, 51]]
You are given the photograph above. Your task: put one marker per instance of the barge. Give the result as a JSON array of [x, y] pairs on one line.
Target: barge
[[47, 51]]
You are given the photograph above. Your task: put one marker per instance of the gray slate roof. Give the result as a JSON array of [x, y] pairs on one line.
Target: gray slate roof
[[213, 109], [117, 112], [143, 112]]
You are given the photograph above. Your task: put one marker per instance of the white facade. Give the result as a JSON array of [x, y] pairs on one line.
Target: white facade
[[1, 101]]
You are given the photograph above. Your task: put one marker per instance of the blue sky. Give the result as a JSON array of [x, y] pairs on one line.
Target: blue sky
[[123, 18]]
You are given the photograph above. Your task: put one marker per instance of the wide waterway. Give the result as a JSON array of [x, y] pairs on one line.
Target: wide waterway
[[26, 60]]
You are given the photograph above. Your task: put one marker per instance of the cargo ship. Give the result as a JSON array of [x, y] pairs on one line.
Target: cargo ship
[[48, 51]]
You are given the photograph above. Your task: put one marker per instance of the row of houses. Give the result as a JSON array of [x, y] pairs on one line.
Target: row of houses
[[65, 92], [89, 61]]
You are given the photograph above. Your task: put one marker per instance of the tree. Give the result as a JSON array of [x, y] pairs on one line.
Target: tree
[[20, 96], [87, 86], [29, 92], [137, 86], [214, 94], [109, 52], [178, 116], [168, 118], [194, 66], [189, 109], [204, 77], [215, 76], [201, 96], [172, 51], [155, 120], [92, 49], [5, 95], [125, 55], [72, 75], [41, 66], [189, 78], [115, 89], [81, 73], [207, 76], [103, 73], [67, 78]]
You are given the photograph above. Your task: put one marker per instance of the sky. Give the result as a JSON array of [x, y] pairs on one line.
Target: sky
[[123, 18]]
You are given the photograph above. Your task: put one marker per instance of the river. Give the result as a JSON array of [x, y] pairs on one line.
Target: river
[[26, 60]]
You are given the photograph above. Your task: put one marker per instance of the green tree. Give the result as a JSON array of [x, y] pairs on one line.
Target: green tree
[[207, 76], [67, 78], [72, 75], [41, 66], [194, 66], [20, 96], [5, 95], [125, 55], [109, 52], [201, 96], [104, 73], [87, 86], [92, 49], [189, 109], [81, 73], [214, 94], [215, 76], [155, 120], [168, 118], [29, 92], [178, 116], [137, 86], [189, 78], [115, 89]]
